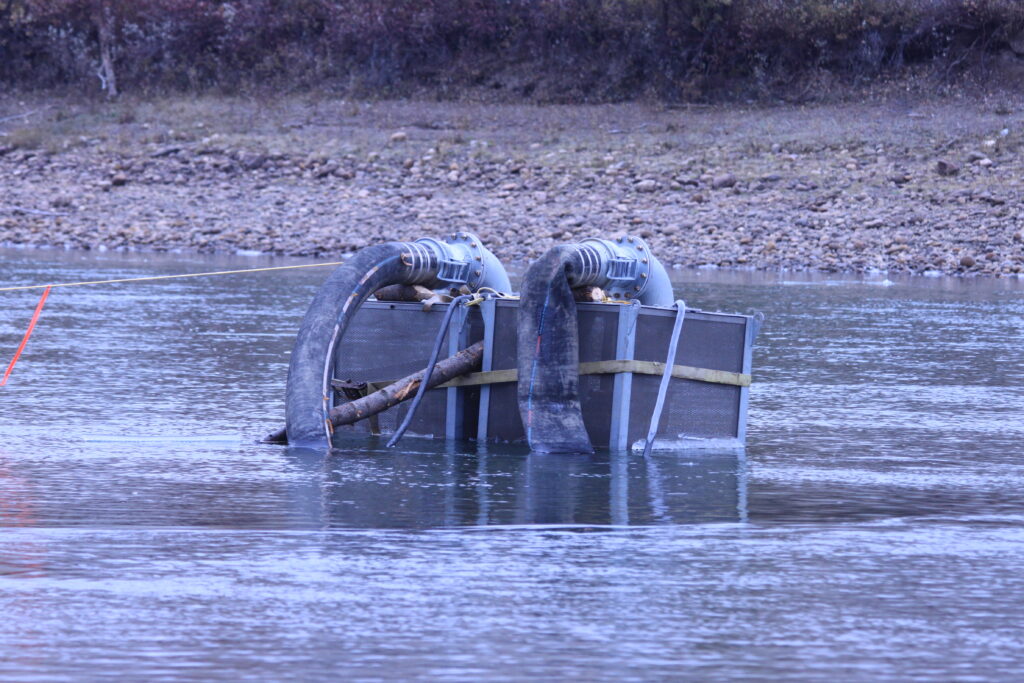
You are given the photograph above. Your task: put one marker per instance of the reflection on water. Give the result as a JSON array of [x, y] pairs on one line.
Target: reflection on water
[[872, 530], [514, 487]]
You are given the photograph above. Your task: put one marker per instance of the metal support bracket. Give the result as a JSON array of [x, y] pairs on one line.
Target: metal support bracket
[[488, 309], [353, 390], [753, 327], [458, 336], [625, 346], [453, 272]]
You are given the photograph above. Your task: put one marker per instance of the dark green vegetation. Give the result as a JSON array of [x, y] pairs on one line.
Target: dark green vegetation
[[537, 50]]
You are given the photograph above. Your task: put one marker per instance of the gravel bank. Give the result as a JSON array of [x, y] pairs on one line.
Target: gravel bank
[[905, 187]]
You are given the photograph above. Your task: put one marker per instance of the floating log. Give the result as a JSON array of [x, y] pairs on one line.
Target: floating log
[[465, 361]]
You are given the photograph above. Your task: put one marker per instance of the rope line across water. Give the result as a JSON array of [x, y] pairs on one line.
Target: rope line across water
[[46, 291], [170, 277]]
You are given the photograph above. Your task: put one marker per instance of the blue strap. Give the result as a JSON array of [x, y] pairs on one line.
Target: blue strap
[[666, 376]]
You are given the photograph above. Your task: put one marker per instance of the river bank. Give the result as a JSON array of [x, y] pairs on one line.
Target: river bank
[[897, 186]]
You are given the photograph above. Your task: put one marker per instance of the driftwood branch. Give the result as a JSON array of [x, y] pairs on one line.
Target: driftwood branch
[[463, 362]]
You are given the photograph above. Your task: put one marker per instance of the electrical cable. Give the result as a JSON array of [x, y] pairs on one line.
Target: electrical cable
[[455, 303]]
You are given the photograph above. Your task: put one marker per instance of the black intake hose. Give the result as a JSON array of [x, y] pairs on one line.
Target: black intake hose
[[331, 311], [548, 356]]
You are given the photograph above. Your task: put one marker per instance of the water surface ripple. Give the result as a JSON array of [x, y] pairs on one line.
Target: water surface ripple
[[872, 530]]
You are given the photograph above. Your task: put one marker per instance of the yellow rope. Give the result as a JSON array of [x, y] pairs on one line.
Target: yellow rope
[[601, 367], [500, 295], [170, 277]]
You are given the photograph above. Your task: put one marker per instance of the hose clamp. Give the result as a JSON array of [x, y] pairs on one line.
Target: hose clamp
[[421, 259]]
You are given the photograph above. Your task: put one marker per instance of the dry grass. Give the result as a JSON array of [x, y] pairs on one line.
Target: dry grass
[[561, 135]]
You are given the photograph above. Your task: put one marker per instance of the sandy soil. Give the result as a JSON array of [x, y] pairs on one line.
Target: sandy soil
[[899, 186]]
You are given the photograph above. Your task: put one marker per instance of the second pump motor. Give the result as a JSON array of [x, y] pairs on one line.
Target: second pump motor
[[624, 268]]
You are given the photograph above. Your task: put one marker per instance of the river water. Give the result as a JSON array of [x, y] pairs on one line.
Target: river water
[[872, 530]]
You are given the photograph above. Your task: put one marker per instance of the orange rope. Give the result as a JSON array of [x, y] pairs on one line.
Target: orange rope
[[28, 333]]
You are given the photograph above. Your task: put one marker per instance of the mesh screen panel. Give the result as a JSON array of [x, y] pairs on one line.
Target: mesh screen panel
[[504, 423], [598, 328], [391, 340], [694, 409], [387, 341]]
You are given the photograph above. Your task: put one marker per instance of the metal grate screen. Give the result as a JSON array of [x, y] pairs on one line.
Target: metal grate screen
[[391, 340]]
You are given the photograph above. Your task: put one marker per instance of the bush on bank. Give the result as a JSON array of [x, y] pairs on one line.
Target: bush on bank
[[553, 50]]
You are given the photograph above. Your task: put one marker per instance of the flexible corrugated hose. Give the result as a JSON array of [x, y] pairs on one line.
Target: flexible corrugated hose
[[548, 357]]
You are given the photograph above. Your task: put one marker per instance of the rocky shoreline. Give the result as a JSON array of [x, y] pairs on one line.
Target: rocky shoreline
[[922, 188]]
